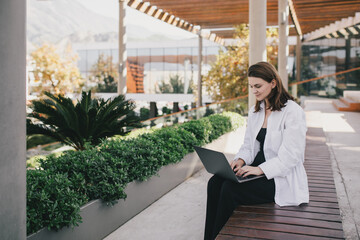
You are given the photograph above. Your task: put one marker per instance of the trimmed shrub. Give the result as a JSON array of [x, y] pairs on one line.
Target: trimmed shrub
[[52, 201], [56, 191], [94, 173], [200, 128]]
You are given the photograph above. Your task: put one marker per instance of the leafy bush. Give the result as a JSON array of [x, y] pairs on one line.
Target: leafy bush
[[236, 120], [94, 173], [51, 201], [144, 113], [87, 122], [220, 125], [139, 153], [201, 128], [68, 181]]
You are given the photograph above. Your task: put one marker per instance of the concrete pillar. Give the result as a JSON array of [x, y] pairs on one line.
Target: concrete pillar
[[122, 48], [347, 52], [283, 53], [153, 110], [199, 88], [12, 119], [257, 41], [176, 107], [298, 65], [298, 59]]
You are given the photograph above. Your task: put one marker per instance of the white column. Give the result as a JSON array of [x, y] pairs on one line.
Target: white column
[[199, 88], [298, 65], [283, 53], [257, 44], [12, 119], [122, 48]]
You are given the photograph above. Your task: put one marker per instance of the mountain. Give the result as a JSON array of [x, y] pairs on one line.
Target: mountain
[[63, 21]]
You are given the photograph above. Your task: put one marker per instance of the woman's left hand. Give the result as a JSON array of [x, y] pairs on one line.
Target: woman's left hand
[[249, 170]]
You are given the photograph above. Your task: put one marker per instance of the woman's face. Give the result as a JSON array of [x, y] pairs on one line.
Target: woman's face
[[261, 88]]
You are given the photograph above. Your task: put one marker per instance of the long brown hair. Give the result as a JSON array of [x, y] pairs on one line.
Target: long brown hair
[[278, 95]]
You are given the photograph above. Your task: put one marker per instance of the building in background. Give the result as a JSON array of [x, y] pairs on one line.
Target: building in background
[[152, 65]]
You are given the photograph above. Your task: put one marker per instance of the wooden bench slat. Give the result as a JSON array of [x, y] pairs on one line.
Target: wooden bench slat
[[323, 199], [326, 173], [279, 227], [303, 208], [323, 189], [241, 233], [321, 185], [314, 177], [324, 204], [310, 180], [282, 219], [228, 237], [288, 213], [268, 234], [323, 194]]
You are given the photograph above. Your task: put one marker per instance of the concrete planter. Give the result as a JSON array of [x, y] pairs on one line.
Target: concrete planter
[[99, 220]]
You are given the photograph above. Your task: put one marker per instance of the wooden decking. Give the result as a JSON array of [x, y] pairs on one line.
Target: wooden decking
[[320, 219]]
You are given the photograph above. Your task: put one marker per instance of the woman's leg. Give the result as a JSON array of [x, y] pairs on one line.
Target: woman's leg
[[232, 194], [213, 194]]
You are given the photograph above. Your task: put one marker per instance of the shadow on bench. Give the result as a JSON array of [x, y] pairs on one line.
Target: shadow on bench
[[320, 219]]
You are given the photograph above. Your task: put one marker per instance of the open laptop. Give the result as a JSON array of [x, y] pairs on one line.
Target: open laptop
[[216, 163]]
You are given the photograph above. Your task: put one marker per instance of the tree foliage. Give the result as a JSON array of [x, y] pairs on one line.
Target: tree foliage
[[55, 72], [104, 73], [85, 123], [175, 85], [227, 77]]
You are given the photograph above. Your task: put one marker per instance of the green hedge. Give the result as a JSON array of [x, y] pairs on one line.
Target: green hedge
[[64, 183]]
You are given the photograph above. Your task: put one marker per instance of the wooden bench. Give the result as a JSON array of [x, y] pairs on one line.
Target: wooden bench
[[320, 219]]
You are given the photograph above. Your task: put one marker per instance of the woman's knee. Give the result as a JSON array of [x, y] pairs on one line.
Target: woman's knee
[[215, 183], [228, 189]]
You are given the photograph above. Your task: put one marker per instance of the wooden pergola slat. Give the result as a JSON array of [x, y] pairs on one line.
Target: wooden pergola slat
[[306, 15]]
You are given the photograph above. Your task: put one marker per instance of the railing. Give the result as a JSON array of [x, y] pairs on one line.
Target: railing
[[238, 104], [330, 85]]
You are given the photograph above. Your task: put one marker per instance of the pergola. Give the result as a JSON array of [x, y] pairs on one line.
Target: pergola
[[215, 20], [312, 19]]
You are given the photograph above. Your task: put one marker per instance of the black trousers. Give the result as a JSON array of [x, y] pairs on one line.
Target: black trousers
[[223, 196]]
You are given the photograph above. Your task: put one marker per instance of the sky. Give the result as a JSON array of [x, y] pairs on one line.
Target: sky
[[110, 8]]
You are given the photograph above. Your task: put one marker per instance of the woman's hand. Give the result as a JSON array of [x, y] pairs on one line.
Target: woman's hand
[[249, 170], [237, 164]]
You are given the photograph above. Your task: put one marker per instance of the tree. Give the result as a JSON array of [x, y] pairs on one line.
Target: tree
[[54, 72], [87, 122], [227, 77], [104, 73], [176, 85]]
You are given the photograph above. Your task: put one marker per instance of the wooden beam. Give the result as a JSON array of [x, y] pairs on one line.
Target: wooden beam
[[295, 18], [171, 19], [334, 28]]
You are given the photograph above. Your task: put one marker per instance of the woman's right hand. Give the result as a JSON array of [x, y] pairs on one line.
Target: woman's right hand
[[237, 164]]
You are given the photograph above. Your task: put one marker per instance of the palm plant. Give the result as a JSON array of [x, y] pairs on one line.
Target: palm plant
[[87, 122]]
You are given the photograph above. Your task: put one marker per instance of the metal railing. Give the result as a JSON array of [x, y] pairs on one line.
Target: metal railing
[[238, 104]]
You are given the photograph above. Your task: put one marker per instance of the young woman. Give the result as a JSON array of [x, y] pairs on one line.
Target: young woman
[[274, 145]]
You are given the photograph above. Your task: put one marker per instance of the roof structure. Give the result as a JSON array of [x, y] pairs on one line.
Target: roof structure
[[220, 17]]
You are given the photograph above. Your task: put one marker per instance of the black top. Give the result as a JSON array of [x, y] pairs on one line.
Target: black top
[[260, 157]]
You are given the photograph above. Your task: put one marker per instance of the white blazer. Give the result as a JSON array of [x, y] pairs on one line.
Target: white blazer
[[284, 150]]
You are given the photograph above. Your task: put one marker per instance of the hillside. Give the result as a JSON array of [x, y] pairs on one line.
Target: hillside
[[64, 21]]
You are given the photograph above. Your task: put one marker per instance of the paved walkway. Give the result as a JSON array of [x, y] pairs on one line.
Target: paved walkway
[[180, 214], [342, 130]]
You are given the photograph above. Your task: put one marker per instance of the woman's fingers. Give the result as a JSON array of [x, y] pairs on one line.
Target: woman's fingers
[[246, 171], [234, 164]]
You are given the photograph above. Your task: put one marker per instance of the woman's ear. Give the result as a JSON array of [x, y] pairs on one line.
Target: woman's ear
[[273, 83]]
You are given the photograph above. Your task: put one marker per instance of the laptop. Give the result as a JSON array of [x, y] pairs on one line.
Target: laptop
[[216, 163]]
